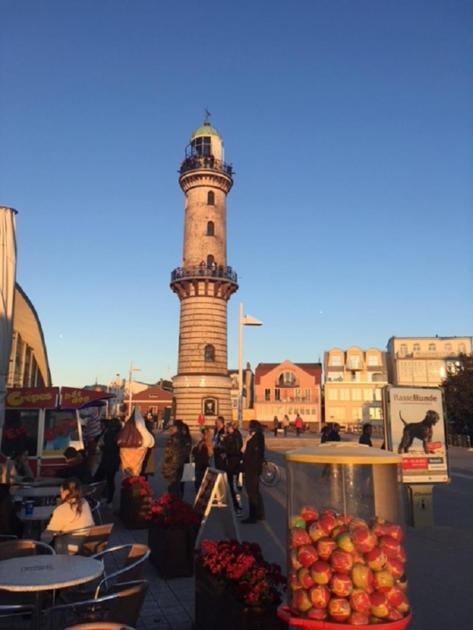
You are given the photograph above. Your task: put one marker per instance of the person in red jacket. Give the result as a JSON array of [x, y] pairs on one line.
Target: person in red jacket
[[299, 424]]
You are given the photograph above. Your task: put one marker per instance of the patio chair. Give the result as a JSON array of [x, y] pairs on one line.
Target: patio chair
[[123, 606], [101, 625], [86, 541], [16, 616], [4, 537], [94, 492], [17, 548]]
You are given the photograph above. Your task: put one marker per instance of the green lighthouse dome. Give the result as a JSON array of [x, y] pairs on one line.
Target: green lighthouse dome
[[205, 130]]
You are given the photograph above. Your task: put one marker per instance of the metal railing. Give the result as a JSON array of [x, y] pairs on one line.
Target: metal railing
[[198, 162], [226, 273]]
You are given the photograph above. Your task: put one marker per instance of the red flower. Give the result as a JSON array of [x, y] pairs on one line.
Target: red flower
[[169, 510]]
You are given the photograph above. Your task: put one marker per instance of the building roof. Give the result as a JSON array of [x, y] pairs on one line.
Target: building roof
[[314, 369], [153, 394], [205, 130]]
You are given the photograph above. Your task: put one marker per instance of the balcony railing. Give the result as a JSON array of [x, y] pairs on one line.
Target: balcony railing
[[198, 162], [225, 273]]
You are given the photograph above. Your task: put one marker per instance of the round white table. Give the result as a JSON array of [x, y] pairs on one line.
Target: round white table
[[40, 513], [35, 492], [45, 573]]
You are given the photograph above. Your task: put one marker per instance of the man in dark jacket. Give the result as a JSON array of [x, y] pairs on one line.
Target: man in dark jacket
[[110, 462], [219, 434], [173, 460], [76, 466], [232, 445], [253, 458]]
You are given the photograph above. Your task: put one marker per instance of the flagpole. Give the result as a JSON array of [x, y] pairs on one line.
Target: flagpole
[[240, 367]]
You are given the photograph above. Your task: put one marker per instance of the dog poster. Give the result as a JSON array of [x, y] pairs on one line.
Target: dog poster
[[415, 428]]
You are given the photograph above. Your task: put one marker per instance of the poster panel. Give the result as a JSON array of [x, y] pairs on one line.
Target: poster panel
[[416, 430]]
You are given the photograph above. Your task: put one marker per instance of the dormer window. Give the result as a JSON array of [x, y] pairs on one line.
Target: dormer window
[[202, 146], [211, 198]]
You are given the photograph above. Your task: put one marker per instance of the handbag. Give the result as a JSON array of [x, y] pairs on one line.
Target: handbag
[[188, 473], [129, 436]]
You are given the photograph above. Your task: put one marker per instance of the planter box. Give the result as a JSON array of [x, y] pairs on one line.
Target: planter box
[[134, 509], [216, 607], [172, 550]]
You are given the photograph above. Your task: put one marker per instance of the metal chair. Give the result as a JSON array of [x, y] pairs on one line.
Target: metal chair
[[4, 537], [101, 625], [16, 616], [17, 548], [122, 563], [86, 541], [122, 606], [94, 492]]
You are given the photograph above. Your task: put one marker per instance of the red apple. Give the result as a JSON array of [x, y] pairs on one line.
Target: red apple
[[394, 615], [390, 546], [325, 547], [395, 567], [307, 555], [363, 539], [298, 537], [396, 596], [358, 522], [327, 521], [338, 530], [358, 619], [360, 601], [319, 596], [376, 559], [305, 579], [309, 514], [321, 572], [295, 564], [345, 542], [341, 585], [362, 577], [374, 620], [383, 581], [293, 581], [379, 605], [358, 558], [380, 528], [300, 601], [396, 532], [402, 556], [316, 532], [317, 613], [341, 561], [339, 609]]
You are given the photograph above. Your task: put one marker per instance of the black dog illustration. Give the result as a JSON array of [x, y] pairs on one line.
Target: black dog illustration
[[421, 430]]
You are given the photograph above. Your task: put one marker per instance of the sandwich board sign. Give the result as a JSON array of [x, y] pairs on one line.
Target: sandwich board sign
[[214, 493], [414, 426]]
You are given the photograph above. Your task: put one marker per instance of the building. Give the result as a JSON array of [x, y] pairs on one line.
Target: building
[[29, 366], [204, 283], [353, 385], [154, 399], [424, 361], [248, 393], [288, 389]]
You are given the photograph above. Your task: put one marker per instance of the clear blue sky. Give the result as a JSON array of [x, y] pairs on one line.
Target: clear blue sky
[[349, 124]]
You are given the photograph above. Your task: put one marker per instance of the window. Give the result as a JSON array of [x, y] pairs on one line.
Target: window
[[277, 394], [209, 353], [373, 360], [287, 379], [432, 347], [267, 394], [417, 347], [403, 349], [378, 394], [375, 413], [307, 395], [297, 394], [201, 146], [60, 431], [332, 394], [354, 362], [356, 394], [211, 198], [354, 376], [21, 431], [210, 228], [336, 360], [210, 261], [448, 347], [344, 394]]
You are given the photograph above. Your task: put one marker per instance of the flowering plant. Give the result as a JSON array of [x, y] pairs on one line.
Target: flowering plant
[[170, 510], [242, 565], [138, 485]]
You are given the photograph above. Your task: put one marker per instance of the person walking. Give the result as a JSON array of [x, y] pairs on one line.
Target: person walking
[[232, 444], [365, 437], [174, 459], [184, 430], [219, 434], [275, 426], [253, 458], [299, 424], [285, 424], [201, 454], [110, 462]]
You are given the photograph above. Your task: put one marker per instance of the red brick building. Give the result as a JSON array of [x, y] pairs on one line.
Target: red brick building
[[154, 399], [288, 388]]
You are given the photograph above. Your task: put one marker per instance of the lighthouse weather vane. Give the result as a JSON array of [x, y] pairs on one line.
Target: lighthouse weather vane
[[207, 115]]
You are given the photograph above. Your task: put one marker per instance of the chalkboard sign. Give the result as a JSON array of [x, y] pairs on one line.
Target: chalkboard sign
[[204, 495]]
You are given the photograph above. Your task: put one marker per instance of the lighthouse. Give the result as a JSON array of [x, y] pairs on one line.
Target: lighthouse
[[204, 282]]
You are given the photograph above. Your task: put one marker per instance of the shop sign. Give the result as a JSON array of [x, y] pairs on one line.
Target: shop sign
[[32, 398]]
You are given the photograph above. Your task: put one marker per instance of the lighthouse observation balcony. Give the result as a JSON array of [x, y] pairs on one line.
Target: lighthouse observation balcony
[[204, 272], [205, 162]]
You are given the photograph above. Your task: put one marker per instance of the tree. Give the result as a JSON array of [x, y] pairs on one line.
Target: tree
[[458, 388]]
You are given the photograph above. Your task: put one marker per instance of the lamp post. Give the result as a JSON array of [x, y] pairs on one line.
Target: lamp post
[[243, 320], [130, 393]]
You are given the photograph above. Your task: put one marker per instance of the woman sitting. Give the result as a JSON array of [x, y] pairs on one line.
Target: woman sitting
[[72, 513]]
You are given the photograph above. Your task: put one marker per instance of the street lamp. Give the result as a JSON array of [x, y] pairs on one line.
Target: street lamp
[[130, 393], [243, 320]]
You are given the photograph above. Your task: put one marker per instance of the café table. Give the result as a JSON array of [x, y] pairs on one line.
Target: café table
[[37, 574], [40, 513], [41, 481], [35, 492]]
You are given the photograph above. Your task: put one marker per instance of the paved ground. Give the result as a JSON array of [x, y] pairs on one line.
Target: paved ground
[[440, 558]]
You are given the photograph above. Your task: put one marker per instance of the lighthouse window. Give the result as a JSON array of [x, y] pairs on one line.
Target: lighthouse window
[[210, 198], [209, 353], [210, 261], [201, 146], [210, 228]]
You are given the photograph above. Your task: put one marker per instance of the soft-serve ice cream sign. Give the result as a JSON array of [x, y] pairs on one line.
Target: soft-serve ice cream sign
[[416, 430]]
